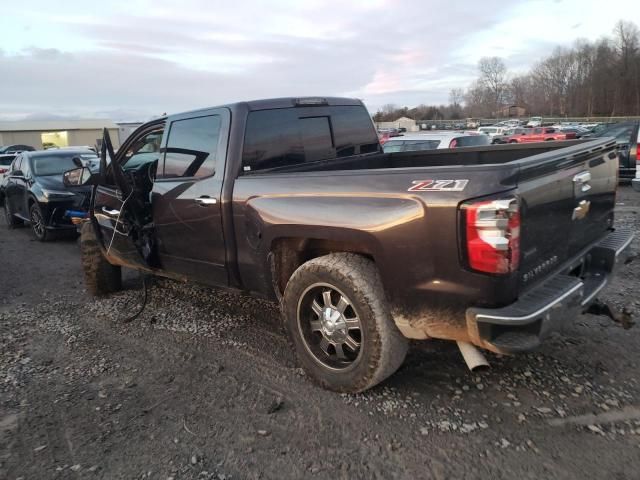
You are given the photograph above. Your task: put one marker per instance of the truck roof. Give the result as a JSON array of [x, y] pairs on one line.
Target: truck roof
[[283, 102]]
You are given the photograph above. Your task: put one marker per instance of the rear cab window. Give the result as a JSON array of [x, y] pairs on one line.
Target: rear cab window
[[285, 137]]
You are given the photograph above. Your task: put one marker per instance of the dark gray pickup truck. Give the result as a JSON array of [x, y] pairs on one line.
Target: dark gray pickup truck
[[294, 200]]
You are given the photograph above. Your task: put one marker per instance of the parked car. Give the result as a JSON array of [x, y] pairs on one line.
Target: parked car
[[430, 141], [534, 122], [13, 149], [34, 192], [627, 137], [293, 200], [578, 131], [492, 131], [5, 164], [537, 134], [384, 134], [472, 122]]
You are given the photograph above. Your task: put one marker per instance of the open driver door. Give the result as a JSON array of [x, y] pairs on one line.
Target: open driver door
[[122, 211]]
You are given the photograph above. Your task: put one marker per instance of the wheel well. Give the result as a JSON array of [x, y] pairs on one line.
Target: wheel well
[[31, 202], [287, 254]]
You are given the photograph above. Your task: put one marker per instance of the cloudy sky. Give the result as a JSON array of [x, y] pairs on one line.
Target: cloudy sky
[[133, 59]]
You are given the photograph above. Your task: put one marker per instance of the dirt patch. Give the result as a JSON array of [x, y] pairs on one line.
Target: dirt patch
[[204, 386]]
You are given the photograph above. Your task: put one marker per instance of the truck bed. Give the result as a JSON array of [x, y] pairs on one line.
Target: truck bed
[[487, 155]]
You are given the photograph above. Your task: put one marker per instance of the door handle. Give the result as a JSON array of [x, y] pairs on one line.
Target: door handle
[[206, 201], [583, 180], [110, 212]]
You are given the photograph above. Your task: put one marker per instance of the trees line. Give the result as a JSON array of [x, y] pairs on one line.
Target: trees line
[[590, 79]]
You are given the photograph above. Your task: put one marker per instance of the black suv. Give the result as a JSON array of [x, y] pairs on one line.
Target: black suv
[[33, 191]]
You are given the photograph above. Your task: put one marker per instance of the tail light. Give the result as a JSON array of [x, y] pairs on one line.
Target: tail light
[[3, 170], [453, 143], [638, 158], [493, 235]]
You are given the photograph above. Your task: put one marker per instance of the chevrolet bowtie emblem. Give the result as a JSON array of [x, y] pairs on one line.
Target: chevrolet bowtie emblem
[[581, 210]]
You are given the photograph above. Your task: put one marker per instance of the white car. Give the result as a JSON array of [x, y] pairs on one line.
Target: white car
[[436, 140], [5, 164], [492, 131], [534, 122]]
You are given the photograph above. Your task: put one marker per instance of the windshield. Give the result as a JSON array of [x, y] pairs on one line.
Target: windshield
[[57, 164], [409, 145]]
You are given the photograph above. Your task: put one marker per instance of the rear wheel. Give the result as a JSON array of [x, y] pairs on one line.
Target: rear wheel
[[38, 224], [338, 319], [9, 218], [100, 277]]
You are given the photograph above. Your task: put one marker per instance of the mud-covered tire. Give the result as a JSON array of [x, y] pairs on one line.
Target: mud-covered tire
[[382, 348], [9, 219], [100, 277]]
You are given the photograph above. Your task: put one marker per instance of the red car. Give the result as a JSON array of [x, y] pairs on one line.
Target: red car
[[537, 134]]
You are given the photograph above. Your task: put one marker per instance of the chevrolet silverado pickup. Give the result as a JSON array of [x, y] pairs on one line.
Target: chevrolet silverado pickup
[[295, 201]]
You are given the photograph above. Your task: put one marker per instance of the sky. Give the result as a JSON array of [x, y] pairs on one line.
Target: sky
[[136, 59]]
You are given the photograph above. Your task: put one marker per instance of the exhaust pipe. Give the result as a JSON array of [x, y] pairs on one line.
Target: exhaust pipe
[[472, 356]]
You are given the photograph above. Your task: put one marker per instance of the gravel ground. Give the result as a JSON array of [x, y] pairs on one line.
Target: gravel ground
[[203, 385]]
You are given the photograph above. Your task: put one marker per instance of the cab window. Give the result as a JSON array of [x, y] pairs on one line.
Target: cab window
[[192, 147]]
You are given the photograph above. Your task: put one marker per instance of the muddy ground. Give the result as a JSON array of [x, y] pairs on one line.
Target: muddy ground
[[203, 386]]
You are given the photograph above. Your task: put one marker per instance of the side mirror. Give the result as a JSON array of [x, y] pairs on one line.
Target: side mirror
[[78, 177]]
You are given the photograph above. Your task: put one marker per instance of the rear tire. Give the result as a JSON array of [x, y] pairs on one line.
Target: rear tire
[[100, 277], [9, 218], [337, 317]]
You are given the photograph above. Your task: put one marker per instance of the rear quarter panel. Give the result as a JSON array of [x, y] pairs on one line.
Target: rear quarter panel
[[412, 236]]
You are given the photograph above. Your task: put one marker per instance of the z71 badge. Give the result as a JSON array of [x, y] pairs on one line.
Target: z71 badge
[[438, 185]]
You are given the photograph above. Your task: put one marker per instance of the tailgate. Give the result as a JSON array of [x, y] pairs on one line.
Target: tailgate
[[567, 202]]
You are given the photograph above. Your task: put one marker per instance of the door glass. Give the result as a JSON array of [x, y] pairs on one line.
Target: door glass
[[144, 150], [192, 147]]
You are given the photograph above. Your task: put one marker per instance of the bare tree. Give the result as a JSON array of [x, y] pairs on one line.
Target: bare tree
[[456, 97], [626, 43], [493, 77]]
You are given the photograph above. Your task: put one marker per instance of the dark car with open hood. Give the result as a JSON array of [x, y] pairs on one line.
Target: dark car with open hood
[[33, 190]]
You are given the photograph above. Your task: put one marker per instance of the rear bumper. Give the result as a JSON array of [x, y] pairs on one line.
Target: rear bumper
[[522, 326]]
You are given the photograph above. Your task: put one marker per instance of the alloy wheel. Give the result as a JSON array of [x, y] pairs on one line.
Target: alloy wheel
[[37, 222], [330, 326]]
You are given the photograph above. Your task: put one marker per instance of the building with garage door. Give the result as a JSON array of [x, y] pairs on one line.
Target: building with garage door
[[61, 133]]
